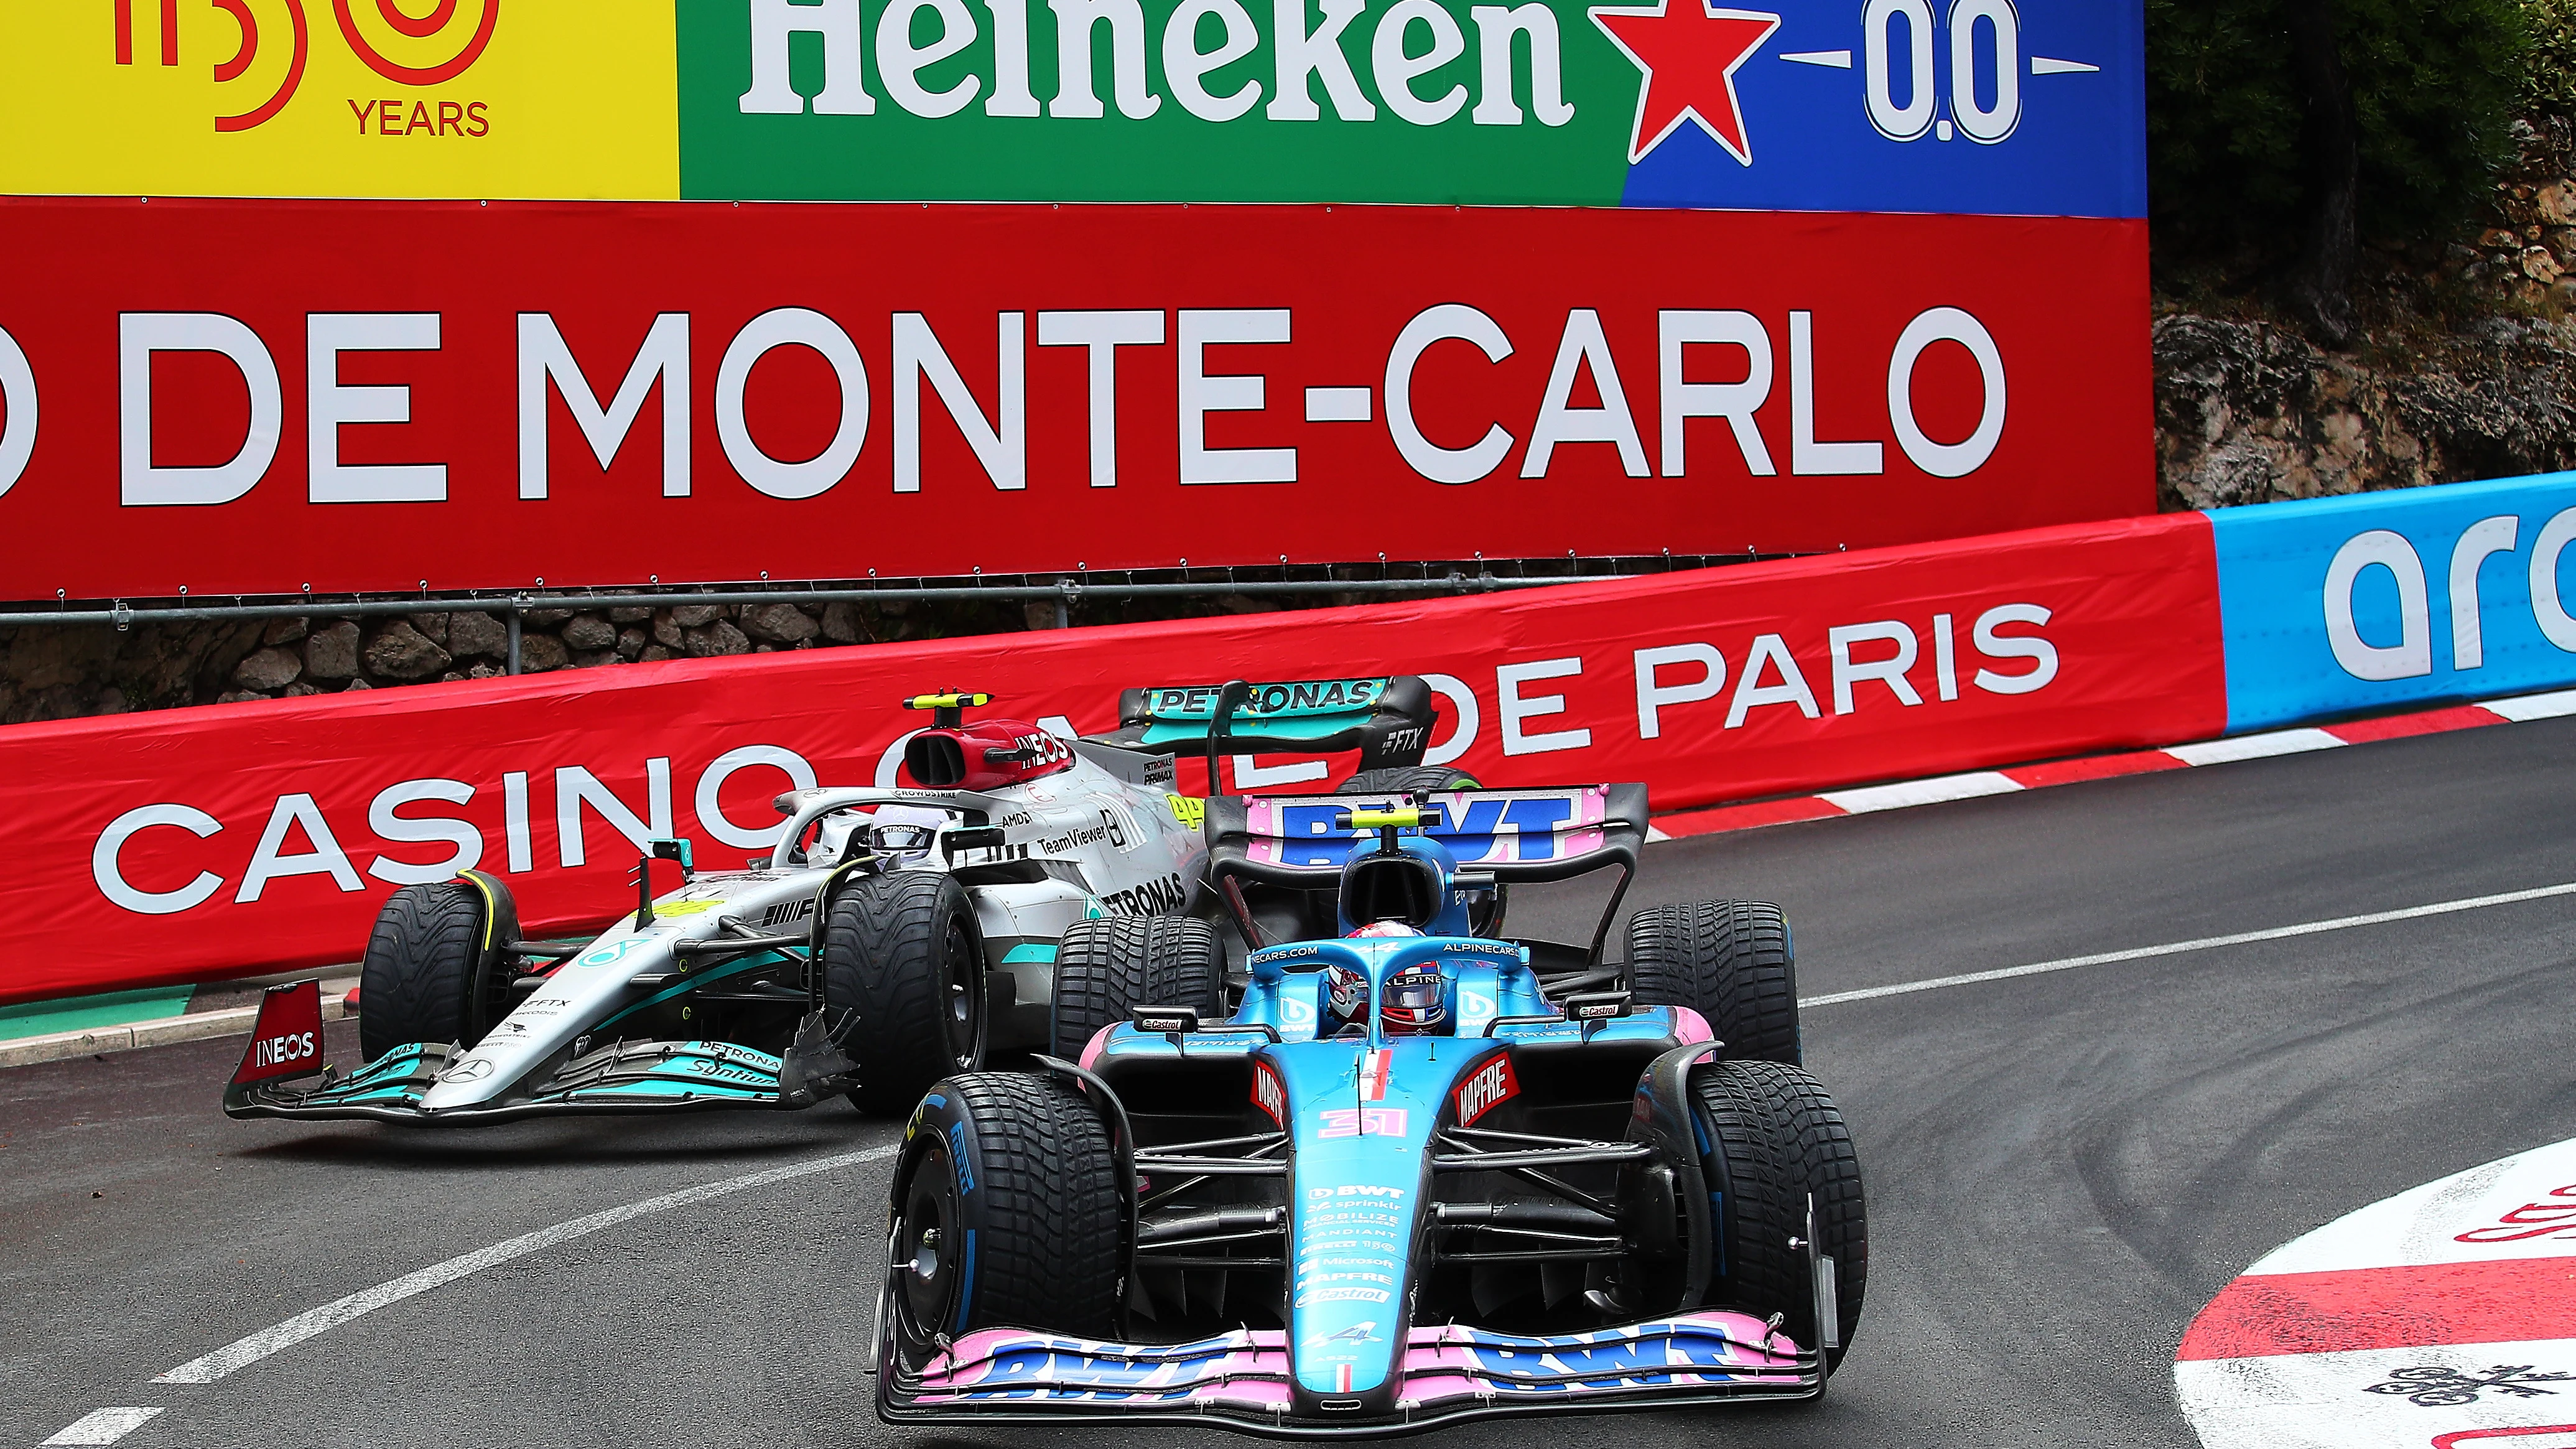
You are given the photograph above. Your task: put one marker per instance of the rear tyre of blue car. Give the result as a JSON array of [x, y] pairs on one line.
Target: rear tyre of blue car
[[902, 968], [1006, 1214], [429, 974], [1775, 1139], [1730, 961], [1108, 965]]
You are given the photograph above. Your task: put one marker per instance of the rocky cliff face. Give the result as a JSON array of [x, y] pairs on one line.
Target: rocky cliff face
[[2467, 369], [2249, 412]]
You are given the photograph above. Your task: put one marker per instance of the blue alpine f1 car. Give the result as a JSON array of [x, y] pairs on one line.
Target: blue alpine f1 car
[[1418, 1172]]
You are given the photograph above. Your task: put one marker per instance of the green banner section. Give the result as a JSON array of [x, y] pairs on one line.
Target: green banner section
[[1427, 101]]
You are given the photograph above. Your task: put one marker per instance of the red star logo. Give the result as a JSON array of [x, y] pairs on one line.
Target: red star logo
[[1689, 51]]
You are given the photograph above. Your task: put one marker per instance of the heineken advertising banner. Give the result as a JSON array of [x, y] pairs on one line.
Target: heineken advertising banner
[[1982, 106], [392, 294]]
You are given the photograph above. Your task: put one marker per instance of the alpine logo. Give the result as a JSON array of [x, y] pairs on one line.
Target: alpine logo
[[1269, 1093], [1486, 1088], [1153, 898], [1373, 1073]]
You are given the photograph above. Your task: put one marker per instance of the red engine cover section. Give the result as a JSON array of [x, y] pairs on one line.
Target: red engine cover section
[[984, 755]]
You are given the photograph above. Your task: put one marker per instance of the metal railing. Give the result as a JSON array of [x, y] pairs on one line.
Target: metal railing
[[1065, 591]]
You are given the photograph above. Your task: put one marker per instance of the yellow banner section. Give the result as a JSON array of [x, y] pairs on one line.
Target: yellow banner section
[[355, 98]]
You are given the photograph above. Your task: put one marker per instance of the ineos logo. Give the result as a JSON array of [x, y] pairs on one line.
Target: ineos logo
[[444, 44], [295, 1046]]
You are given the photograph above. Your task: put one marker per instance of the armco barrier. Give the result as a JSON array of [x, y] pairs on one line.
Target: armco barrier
[[2380, 600], [239, 839]]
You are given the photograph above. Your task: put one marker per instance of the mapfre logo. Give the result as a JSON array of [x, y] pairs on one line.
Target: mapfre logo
[[267, 65], [1486, 1088]]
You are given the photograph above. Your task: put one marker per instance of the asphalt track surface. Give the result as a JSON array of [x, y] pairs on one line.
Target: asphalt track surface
[[2062, 1168]]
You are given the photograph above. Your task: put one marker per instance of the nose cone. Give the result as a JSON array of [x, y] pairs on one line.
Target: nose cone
[[1364, 1120]]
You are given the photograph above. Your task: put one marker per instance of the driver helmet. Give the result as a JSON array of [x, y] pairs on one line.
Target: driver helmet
[[1413, 1001], [1381, 929], [1345, 991]]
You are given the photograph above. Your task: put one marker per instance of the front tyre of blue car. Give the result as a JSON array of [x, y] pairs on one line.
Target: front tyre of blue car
[[1775, 1142], [1007, 1213]]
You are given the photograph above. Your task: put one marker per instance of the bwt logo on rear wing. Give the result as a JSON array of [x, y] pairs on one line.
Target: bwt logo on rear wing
[[1529, 833]]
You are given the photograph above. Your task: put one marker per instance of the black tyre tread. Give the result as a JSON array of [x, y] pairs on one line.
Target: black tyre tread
[[1783, 1139], [1730, 961], [1106, 965], [417, 978], [1831, 1168], [1052, 1249], [1751, 1164], [1406, 779], [881, 985]]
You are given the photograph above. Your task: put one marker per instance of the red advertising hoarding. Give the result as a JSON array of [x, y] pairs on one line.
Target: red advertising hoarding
[[237, 839], [252, 397]]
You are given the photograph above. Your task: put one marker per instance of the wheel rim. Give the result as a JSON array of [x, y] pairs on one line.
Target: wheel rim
[[961, 987], [927, 1243]]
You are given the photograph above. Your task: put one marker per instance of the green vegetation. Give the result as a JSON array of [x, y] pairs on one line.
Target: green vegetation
[[2433, 87]]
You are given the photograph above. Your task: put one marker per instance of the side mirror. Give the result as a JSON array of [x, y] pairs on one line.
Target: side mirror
[[1165, 1020], [1589, 1006]]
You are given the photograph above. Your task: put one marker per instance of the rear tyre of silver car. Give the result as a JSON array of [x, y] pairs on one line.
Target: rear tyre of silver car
[[1775, 1139], [1484, 915], [1110, 964], [1730, 961], [433, 972], [902, 968], [1006, 1213]]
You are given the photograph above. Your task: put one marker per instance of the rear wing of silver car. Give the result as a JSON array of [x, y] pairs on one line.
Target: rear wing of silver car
[[1387, 719]]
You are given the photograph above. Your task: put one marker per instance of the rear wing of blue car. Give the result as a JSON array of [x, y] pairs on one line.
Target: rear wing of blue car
[[1545, 834], [1387, 719]]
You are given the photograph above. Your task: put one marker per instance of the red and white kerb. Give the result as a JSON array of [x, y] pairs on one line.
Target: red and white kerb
[[2444, 1316]]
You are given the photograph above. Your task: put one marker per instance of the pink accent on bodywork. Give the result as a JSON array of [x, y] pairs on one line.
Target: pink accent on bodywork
[[1252, 1368], [1688, 1026], [1099, 1042]]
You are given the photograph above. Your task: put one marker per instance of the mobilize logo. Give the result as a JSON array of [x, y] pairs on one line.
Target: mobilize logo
[[267, 65]]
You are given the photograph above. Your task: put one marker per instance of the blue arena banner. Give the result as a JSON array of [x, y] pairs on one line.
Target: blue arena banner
[[2341, 606]]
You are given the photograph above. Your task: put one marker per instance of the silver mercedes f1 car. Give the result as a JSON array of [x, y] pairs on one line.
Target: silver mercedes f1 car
[[891, 936]]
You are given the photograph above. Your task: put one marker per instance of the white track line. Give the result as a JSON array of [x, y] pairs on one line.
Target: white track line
[[102, 1426], [331, 1315], [2177, 948]]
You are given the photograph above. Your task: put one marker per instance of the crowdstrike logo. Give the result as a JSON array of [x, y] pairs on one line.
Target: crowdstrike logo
[[268, 62]]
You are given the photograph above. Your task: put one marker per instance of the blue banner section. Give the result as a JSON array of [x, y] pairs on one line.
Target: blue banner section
[[1947, 106], [2344, 605]]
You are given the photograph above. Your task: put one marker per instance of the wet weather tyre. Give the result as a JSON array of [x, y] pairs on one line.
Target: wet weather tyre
[[1485, 915], [426, 976], [1774, 1138], [1406, 779], [1006, 1213], [1730, 961], [902, 977], [1109, 964]]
